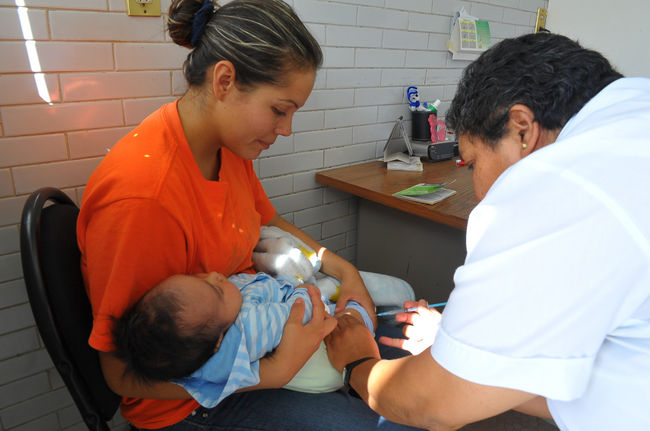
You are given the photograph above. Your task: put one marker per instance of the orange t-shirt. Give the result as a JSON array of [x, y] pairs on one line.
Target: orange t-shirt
[[148, 213]]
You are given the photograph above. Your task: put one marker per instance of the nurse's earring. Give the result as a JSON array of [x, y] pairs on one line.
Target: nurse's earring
[[524, 146]]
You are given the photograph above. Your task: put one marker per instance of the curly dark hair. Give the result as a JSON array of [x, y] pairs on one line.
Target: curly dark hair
[[150, 338], [550, 74]]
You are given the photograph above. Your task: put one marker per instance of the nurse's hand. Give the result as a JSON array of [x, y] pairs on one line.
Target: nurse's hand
[[350, 340], [354, 289], [420, 330]]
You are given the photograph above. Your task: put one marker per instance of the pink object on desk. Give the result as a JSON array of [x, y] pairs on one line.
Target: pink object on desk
[[438, 129]]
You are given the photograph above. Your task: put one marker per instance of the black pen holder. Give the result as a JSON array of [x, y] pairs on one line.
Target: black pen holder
[[420, 127]]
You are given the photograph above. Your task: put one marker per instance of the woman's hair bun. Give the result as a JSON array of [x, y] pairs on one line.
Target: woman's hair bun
[[179, 23]]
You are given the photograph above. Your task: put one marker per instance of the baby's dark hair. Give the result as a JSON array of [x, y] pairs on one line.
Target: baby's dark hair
[[156, 345]]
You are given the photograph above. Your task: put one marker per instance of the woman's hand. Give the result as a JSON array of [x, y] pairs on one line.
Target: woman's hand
[[420, 329], [349, 341], [298, 342], [353, 289]]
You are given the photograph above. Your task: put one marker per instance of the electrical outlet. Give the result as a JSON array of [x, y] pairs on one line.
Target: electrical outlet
[[143, 7], [540, 22]]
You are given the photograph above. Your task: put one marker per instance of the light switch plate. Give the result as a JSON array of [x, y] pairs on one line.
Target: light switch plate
[[540, 22], [143, 7]]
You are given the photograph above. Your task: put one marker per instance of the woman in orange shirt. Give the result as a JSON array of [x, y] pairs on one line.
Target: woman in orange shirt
[[179, 195]]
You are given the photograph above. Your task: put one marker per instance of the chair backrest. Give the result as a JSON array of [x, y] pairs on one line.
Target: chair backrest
[[51, 267]]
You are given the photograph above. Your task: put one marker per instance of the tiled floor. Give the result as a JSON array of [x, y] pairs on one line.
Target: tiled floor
[[511, 421]]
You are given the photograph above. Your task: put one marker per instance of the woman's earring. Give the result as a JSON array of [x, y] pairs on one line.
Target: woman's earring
[[524, 146]]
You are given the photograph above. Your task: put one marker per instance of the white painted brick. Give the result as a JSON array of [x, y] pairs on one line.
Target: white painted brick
[[305, 181], [351, 78], [367, 57], [429, 59], [46, 403], [349, 155], [307, 121], [337, 35], [338, 57], [117, 5], [350, 117], [377, 17], [24, 365], [438, 42], [282, 145], [320, 214], [414, 5], [379, 96], [334, 243], [15, 318], [10, 211], [24, 120], [6, 185], [72, 25], [349, 254], [147, 56], [499, 30], [320, 80], [313, 231], [392, 112], [113, 85], [11, 27], [449, 7], [325, 12], [329, 99], [278, 186], [89, 143], [532, 5], [136, 110], [351, 238], [48, 422], [61, 4], [14, 57], [298, 201], [318, 31], [9, 242], [506, 3], [61, 174], [517, 17], [402, 77], [405, 39], [179, 83], [430, 23], [367, 2], [70, 416], [340, 225], [334, 195], [32, 149], [443, 76], [12, 293], [299, 162], [63, 56], [321, 139], [21, 89], [24, 389], [486, 12], [372, 132], [18, 343]]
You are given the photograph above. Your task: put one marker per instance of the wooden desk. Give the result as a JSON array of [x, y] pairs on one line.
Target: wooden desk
[[372, 181], [422, 244]]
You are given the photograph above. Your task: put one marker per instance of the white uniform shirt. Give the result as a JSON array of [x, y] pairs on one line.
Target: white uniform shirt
[[554, 295]]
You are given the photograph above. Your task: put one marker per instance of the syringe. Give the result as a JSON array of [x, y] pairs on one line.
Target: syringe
[[407, 310]]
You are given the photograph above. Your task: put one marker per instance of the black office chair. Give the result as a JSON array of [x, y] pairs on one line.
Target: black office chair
[[51, 259]]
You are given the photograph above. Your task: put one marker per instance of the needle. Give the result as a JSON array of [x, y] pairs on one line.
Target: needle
[[407, 310]]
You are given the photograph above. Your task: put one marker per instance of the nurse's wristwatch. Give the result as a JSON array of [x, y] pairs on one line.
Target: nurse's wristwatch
[[347, 372]]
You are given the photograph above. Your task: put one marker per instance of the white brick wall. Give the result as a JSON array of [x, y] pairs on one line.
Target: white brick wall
[[106, 71]]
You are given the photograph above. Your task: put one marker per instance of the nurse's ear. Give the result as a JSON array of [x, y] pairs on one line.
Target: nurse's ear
[[522, 124], [223, 79]]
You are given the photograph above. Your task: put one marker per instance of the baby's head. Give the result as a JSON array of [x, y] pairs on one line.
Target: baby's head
[[176, 326]]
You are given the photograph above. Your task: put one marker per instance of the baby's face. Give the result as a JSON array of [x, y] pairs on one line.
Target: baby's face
[[212, 298]]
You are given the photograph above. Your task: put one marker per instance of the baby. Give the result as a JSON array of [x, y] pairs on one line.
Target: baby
[[207, 333]]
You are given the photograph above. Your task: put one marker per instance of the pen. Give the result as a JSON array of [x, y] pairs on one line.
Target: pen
[[407, 310]]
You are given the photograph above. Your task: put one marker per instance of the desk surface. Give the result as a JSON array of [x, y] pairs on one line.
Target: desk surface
[[374, 182]]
